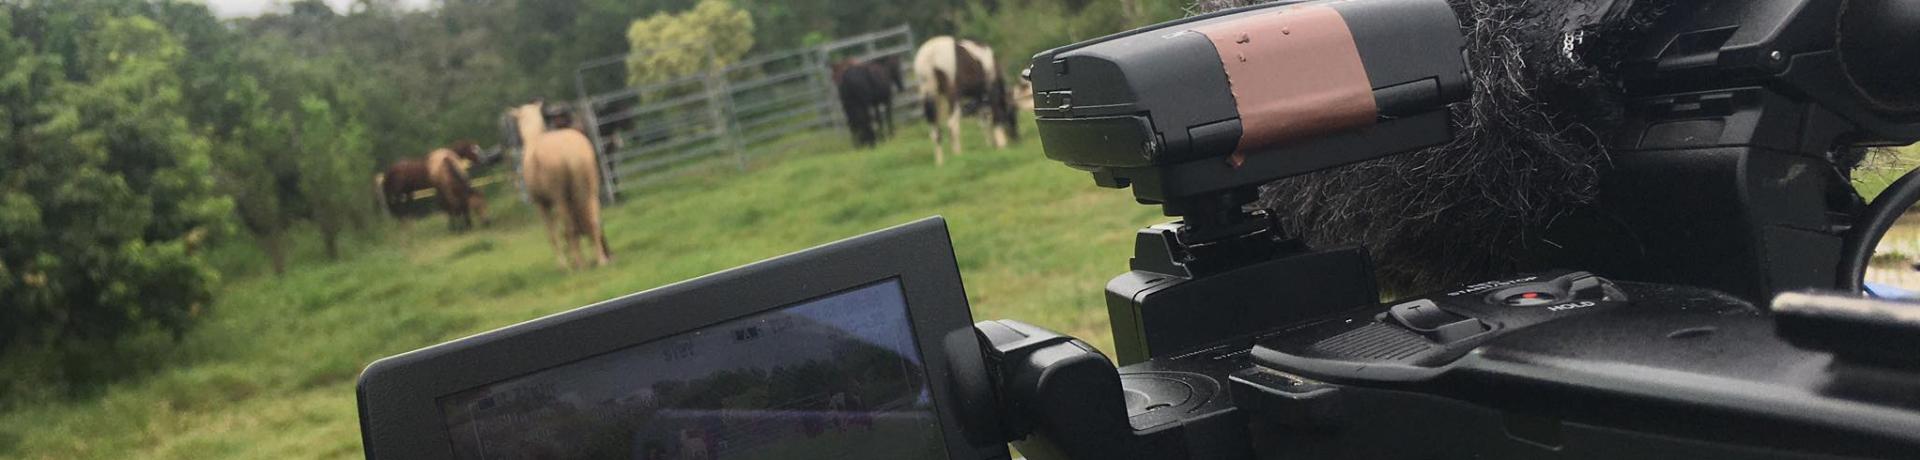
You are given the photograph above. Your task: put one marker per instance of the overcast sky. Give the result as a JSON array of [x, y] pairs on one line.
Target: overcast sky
[[244, 8]]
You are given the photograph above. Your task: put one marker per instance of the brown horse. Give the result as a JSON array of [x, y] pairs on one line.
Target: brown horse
[[866, 95], [959, 77], [443, 170], [399, 182], [452, 186], [562, 178]]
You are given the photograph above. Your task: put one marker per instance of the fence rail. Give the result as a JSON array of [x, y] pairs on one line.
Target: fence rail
[[645, 133]]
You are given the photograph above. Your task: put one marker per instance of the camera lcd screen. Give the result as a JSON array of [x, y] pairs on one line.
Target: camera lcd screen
[[834, 377]]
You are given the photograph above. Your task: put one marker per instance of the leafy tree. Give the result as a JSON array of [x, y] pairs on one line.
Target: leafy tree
[[105, 191], [1018, 29], [248, 171], [291, 147], [332, 161], [133, 132], [712, 35]]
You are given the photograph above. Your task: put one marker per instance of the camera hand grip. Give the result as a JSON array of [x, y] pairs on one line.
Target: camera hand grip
[[1060, 397]]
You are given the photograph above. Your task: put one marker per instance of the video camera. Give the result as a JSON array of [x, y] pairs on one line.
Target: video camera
[[1714, 308], [1726, 190]]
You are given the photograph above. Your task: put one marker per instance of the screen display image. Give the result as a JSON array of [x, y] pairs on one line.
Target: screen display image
[[835, 377]]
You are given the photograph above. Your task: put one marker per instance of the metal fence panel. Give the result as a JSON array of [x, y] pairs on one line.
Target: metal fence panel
[[645, 133]]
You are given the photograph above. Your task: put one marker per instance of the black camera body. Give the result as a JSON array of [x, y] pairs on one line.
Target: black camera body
[[1727, 191], [1553, 365]]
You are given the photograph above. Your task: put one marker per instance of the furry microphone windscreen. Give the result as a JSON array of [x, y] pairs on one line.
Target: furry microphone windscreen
[[1525, 151]]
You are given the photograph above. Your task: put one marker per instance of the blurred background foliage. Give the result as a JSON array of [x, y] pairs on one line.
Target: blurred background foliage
[[141, 135], [711, 36]]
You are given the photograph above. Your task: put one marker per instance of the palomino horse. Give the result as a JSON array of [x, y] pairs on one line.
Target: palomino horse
[[444, 170], [959, 77], [562, 178]]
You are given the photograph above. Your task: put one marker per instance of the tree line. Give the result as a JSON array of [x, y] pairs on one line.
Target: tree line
[[139, 133]]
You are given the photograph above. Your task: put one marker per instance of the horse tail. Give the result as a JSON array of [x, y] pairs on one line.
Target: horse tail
[[591, 170], [572, 184], [452, 188], [585, 201]]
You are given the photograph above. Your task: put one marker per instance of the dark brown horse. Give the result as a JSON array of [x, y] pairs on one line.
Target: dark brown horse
[[398, 183], [442, 171], [866, 96]]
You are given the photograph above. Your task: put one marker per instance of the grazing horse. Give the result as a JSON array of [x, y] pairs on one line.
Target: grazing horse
[[859, 91], [866, 95], [562, 178], [443, 170], [399, 181], [960, 77], [452, 186]]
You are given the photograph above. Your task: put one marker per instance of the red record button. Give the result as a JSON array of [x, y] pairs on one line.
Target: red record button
[[1530, 298]]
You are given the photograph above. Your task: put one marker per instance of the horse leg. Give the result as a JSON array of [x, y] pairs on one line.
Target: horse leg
[[886, 115], [990, 135], [873, 122], [583, 202], [594, 230], [999, 135], [447, 204], [939, 144], [986, 125], [883, 119], [850, 108], [477, 205], [953, 125], [930, 107], [574, 261], [939, 154], [459, 211], [579, 189], [553, 233]]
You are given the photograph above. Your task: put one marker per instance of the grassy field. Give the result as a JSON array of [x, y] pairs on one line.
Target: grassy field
[[270, 372], [1880, 170]]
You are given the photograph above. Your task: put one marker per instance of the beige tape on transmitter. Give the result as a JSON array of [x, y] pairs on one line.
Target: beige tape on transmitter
[[1295, 73]]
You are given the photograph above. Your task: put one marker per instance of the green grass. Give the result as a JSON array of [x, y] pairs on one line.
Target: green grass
[[1881, 170], [270, 371]]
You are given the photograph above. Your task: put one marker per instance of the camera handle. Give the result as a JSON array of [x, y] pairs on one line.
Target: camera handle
[[1223, 274]]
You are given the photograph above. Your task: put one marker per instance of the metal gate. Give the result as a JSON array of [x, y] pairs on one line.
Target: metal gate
[[652, 132]]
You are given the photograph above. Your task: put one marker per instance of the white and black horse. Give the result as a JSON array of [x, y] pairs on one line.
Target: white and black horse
[[959, 77]]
